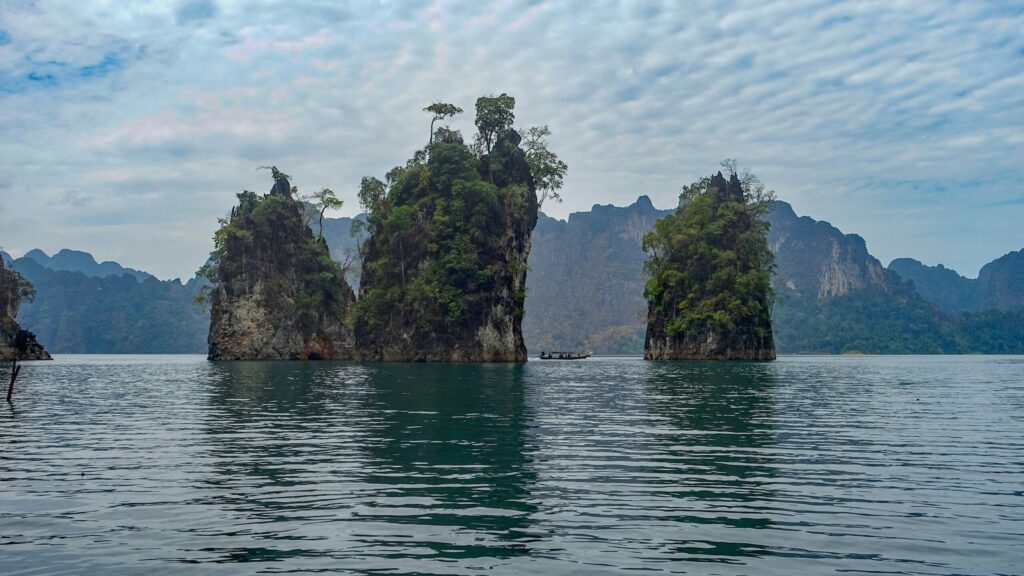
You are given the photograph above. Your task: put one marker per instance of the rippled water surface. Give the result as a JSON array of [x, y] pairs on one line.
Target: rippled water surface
[[164, 465]]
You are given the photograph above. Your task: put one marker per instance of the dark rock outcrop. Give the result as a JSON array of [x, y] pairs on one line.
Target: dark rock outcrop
[[708, 344], [278, 295], [15, 343]]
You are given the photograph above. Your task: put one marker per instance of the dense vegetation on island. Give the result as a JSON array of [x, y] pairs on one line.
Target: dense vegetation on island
[[709, 289], [275, 293], [443, 250], [444, 267]]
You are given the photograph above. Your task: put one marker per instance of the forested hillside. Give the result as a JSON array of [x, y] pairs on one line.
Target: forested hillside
[[74, 313]]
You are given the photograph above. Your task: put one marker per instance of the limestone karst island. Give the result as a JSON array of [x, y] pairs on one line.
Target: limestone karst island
[[445, 256], [521, 287]]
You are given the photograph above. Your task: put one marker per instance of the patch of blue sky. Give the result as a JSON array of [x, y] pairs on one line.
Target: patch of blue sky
[[627, 94], [53, 74], [196, 10], [111, 62]]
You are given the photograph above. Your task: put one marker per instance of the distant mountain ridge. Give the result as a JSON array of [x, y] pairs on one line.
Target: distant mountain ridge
[[78, 261], [999, 285], [585, 291]]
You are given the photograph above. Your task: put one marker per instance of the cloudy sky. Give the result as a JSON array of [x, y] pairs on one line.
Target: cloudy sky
[[127, 128]]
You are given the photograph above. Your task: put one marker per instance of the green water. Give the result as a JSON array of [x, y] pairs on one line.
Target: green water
[[809, 465]]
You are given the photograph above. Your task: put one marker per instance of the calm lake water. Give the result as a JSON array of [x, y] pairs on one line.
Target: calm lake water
[[809, 465]]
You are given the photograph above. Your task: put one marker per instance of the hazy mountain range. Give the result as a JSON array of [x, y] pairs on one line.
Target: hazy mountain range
[[77, 261], [84, 307], [585, 291], [1000, 284]]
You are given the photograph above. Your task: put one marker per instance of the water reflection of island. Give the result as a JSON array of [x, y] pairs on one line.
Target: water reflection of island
[[642, 465], [718, 419], [358, 464], [446, 464]]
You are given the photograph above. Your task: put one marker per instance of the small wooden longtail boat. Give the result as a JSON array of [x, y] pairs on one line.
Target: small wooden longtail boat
[[564, 355]]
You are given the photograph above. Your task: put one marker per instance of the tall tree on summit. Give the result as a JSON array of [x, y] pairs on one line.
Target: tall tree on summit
[[440, 111], [494, 117], [326, 199]]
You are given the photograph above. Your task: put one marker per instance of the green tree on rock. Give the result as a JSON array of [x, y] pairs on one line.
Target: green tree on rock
[[547, 170], [324, 200], [440, 111], [494, 117], [444, 266]]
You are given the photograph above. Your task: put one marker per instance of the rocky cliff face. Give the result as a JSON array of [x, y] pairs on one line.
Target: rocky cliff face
[[705, 345], [816, 260], [1002, 282], [277, 293], [15, 343], [586, 283], [709, 290], [444, 273]]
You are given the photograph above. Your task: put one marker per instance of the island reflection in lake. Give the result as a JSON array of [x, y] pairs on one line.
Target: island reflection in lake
[[806, 465]]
